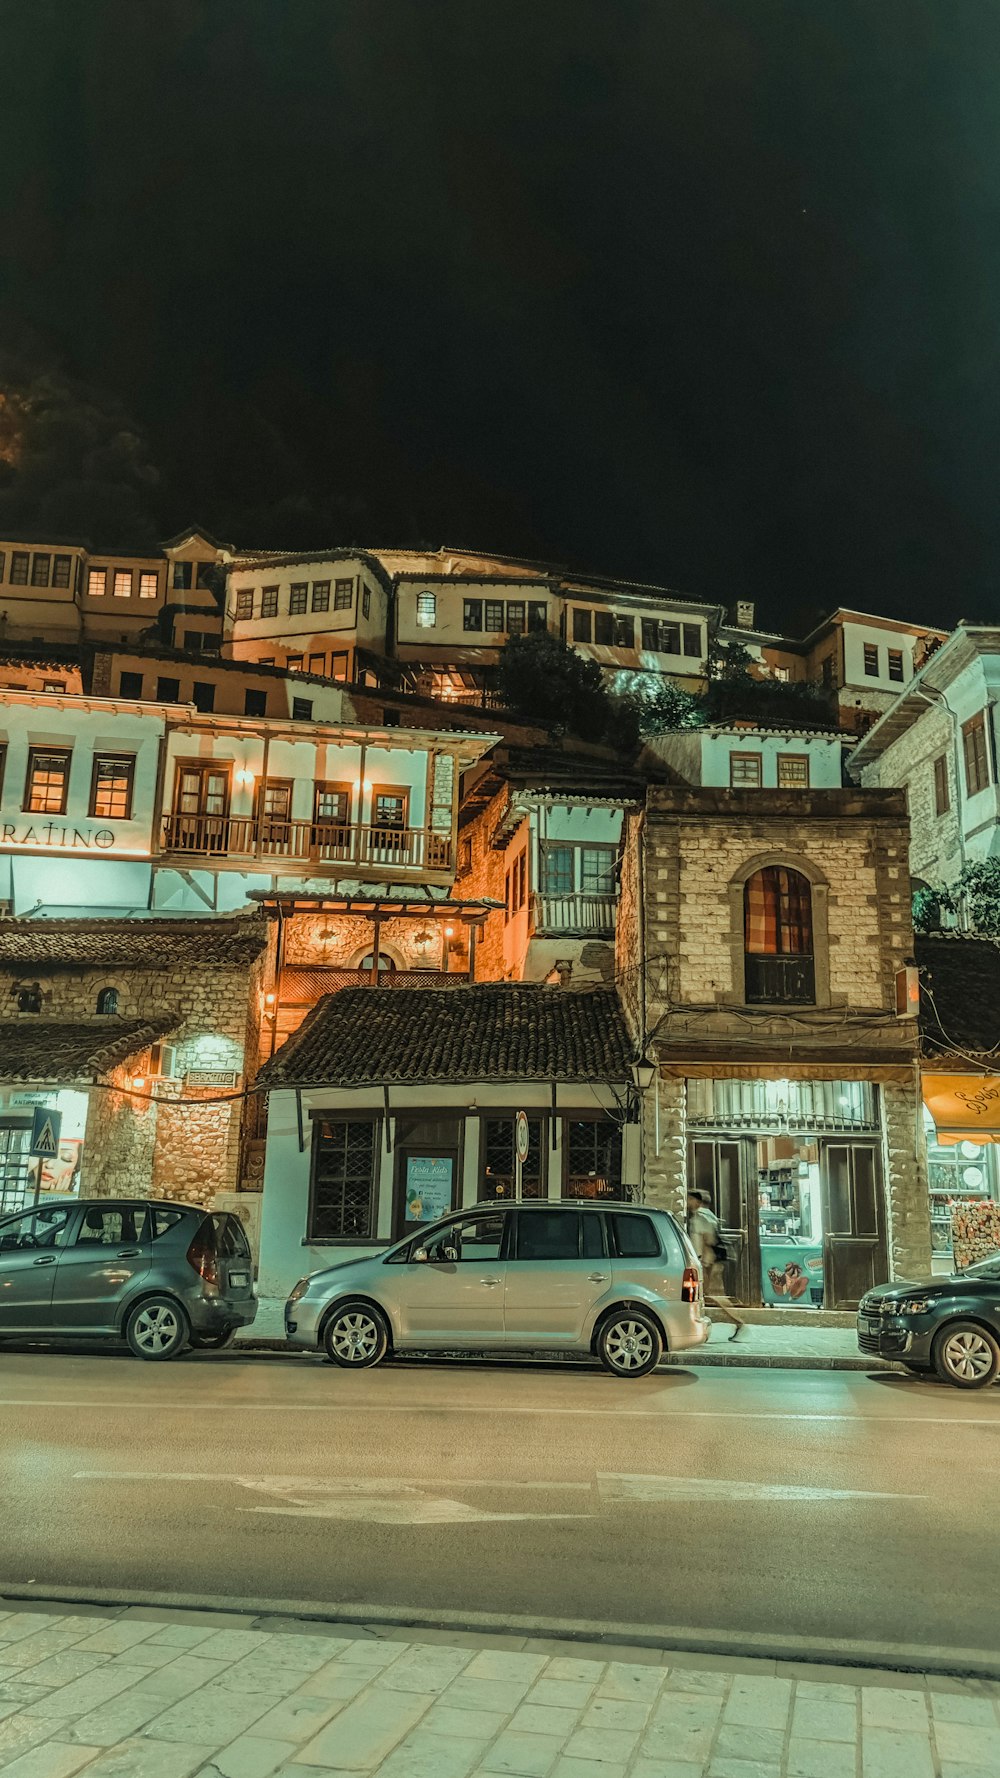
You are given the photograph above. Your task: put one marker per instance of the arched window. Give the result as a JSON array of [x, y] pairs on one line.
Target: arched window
[[107, 1000], [28, 997], [779, 967], [384, 962]]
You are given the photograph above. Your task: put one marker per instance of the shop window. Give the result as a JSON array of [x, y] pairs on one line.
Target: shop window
[[515, 617], [975, 754], [244, 603], [343, 595], [793, 771], [107, 1002], [254, 703], [871, 660], [472, 614], [61, 570], [182, 577], [592, 1158], [269, 601], [604, 628], [148, 584], [321, 595], [47, 782], [538, 615], [745, 771], [122, 588], [497, 1168], [942, 787], [343, 1188], [97, 582], [895, 662], [691, 639], [583, 625], [297, 600], [19, 568], [426, 611], [778, 938], [130, 685], [40, 569], [111, 786], [557, 870]]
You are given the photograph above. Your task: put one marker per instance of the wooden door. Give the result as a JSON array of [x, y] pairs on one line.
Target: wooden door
[[724, 1168], [854, 1250]]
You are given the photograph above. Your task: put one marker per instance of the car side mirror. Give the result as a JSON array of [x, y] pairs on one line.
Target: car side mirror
[[450, 1253], [420, 1255]]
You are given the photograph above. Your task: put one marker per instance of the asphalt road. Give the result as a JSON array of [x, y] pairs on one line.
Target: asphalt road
[[821, 1504]]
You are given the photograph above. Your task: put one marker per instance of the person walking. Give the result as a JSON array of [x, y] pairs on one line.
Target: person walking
[[706, 1238]]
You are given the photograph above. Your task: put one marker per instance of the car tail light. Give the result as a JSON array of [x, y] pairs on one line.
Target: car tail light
[[203, 1260], [690, 1285]]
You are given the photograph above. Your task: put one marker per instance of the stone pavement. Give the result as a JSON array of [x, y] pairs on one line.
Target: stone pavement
[[145, 1693]]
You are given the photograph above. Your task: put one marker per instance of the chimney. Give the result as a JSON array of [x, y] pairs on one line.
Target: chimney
[[744, 614]]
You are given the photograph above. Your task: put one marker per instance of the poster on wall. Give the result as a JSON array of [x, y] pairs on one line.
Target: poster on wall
[[975, 1231], [428, 1187], [61, 1173]]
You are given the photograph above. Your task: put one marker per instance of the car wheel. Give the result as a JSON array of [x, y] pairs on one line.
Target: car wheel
[[967, 1354], [356, 1336], [213, 1342], [629, 1344], [157, 1328]]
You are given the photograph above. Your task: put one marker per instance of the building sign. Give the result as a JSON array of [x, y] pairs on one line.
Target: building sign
[[964, 1105], [428, 1187], [57, 836]]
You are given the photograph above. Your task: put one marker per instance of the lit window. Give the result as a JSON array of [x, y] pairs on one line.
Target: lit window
[[244, 603], [148, 583], [793, 771], [745, 771], [321, 595], [298, 600], [294, 663], [97, 582], [777, 937], [40, 568], [47, 782], [19, 568], [343, 595], [317, 663], [269, 601], [426, 610], [123, 583], [111, 786]]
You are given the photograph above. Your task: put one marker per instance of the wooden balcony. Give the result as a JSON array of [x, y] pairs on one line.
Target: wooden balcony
[[588, 916], [311, 845]]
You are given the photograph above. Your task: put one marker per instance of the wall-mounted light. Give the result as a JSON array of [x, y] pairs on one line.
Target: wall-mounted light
[[269, 999], [643, 1073], [138, 1082], [357, 784], [449, 932], [245, 776]]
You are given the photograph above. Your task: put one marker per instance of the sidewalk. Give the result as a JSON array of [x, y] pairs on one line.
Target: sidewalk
[[770, 1340], [147, 1693]]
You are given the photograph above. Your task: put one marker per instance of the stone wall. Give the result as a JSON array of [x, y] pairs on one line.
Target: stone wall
[[120, 1137], [907, 1190], [341, 940], [935, 840], [482, 875]]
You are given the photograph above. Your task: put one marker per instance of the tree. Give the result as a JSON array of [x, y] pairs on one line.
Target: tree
[[650, 704], [541, 679]]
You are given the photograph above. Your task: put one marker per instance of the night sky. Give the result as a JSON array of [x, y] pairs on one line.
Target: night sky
[[705, 294]]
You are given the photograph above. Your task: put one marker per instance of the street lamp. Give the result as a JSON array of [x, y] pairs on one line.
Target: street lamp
[[643, 1073]]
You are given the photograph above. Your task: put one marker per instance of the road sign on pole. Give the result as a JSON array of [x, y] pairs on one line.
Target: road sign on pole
[[520, 1151], [45, 1128]]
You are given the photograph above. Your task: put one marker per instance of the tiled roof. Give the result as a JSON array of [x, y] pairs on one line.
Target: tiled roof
[[497, 1031], [36, 1049], [131, 944], [959, 996]]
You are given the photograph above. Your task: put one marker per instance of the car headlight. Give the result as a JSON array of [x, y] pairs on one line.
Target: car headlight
[[299, 1291], [914, 1305]]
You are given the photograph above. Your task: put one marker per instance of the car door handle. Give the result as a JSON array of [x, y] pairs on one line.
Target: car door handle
[[597, 1277], [129, 1252], [489, 1282], [47, 1259]]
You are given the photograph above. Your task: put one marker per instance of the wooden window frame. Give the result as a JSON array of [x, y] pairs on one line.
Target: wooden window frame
[[871, 651], [332, 787], [425, 609], [895, 656], [976, 754], [100, 574], [302, 709], [538, 616], [39, 576], [693, 632], [269, 601], [317, 665], [942, 785], [504, 1114], [320, 598], [670, 637], [401, 791], [492, 610], [121, 574], [298, 599], [375, 1119], [17, 557], [205, 766], [34, 753], [799, 759], [244, 604], [517, 617], [472, 616], [608, 853], [604, 629], [745, 757], [123, 759], [343, 595], [588, 1116], [145, 576], [583, 624]]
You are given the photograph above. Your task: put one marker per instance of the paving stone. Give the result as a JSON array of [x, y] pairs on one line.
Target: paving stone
[[976, 1745], [658, 1768], [689, 1681], [302, 1654], [117, 1638], [366, 1730], [742, 1768], [19, 1733], [963, 1707], [84, 1694], [510, 1668], [687, 1710], [810, 1691], [441, 1719], [254, 1675], [819, 1759], [150, 1759], [32, 1649], [586, 1768], [541, 1719], [29, 1623], [116, 1720], [529, 1756], [336, 1680], [182, 1635], [181, 1676], [297, 1718], [56, 1759], [232, 1645], [565, 1694], [895, 1753], [677, 1741], [424, 1755], [737, 1741], [623, 1680], [425, 1669], [824, 1722], [466, 1693], [758, 1703], [886, 1707], [249, 1756], [616, 1713], [143, 1654], [373, 1655], [951, 1771], [214, 1717], [567, 1670], [63, 1668], [611, 1745]]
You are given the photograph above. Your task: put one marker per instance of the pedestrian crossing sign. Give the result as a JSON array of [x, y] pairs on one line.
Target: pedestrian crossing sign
[[45, 1128]]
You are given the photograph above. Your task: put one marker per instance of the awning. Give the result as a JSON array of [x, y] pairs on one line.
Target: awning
[[964, 1105]]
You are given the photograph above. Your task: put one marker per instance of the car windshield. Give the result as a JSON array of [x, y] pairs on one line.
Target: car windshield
[[984, 1268]]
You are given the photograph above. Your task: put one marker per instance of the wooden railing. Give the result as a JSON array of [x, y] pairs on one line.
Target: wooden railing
[[305, 842], [591, 914]]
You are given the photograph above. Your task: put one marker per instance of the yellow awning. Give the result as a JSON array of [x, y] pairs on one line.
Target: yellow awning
[[964, 1105]]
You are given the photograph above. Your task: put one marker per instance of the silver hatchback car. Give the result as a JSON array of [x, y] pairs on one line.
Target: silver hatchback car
[[612, 1279]]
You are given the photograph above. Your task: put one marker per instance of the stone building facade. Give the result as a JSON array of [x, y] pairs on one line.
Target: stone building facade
[[184, 997], [759, 937]]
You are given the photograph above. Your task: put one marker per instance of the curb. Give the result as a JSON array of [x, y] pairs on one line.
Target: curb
[[679, 1361]]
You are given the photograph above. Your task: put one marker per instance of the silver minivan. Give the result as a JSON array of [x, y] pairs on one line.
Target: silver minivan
[[614, 1279]]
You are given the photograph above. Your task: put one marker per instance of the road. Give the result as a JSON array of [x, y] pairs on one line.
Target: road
[[824, 1504]]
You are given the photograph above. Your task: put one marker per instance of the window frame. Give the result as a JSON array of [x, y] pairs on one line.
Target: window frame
[[343, 595], [502, 1114], [589, 1117], [20, 558], [604, 629], [493, 610], [121, 575], [425, 609], [320, 595], [745, 759], [41, 576], [302, 709], [395, 791], [472, 616], [254, 692], [942, 784], [801, 960], [689, 631], [583, 623], [122, 759], [131, 694], [609, 854], [976, 754], [145, 576], [244, 604], [784, 760], [550, 849], [332, 787], [895, 657], [298, 599], [375, 1120], [64, 753], [871, 652], [538, 616], [517, 617], [269, 601], [100, 574], [366, 601]]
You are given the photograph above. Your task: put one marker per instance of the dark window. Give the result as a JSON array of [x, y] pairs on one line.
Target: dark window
[[302, 709], [344, 1175], [670, 638], [111, 786], [19, 568], [942, 787], [494, 616], [506, 898], [472, 614], [977, 762], [110, 1225], [201, 642], [130, 685], [592, 1229], [557, 870], [604, 628], [778, 939], [650, 634], [521, 877], [168, 691], [61, 569], [244, 603], [634, 1237], [203, 575], [871, 659], [203, 695], [47, 782], [297, 600], [28, 997], [826, 669], [229, 1236], [691, 638], [582, 624], [538, 614], [515, 617], [254, 703], [182, 576], [269, 601], [497, 1159], [366, 601], [592, 1148], [343, 595], [3, 563], [163, 1220], [895, 659], [548, 1234], [107, 1002], [40, 570], [624, 632], [321, 595], [3, 762]]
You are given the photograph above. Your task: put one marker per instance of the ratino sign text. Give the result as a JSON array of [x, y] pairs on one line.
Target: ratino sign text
[[55, 834]]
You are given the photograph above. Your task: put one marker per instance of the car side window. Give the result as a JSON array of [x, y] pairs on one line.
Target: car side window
[[548, 1234], [593, 1237], [162, 1221], [471, 1238], [45, 1227], [634, 1237], [113, 1225]]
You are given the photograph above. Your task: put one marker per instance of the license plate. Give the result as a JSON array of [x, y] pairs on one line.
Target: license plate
[[870, 1326], [239, 1279]]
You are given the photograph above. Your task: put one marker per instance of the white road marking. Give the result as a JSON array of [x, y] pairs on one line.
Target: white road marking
[[640, 1489], [665, 1414]]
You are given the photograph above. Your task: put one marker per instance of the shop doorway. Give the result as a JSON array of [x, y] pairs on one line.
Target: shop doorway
[[427, 1172]]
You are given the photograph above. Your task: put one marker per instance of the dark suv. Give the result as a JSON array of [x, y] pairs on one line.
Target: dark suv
[[161, 1276]]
